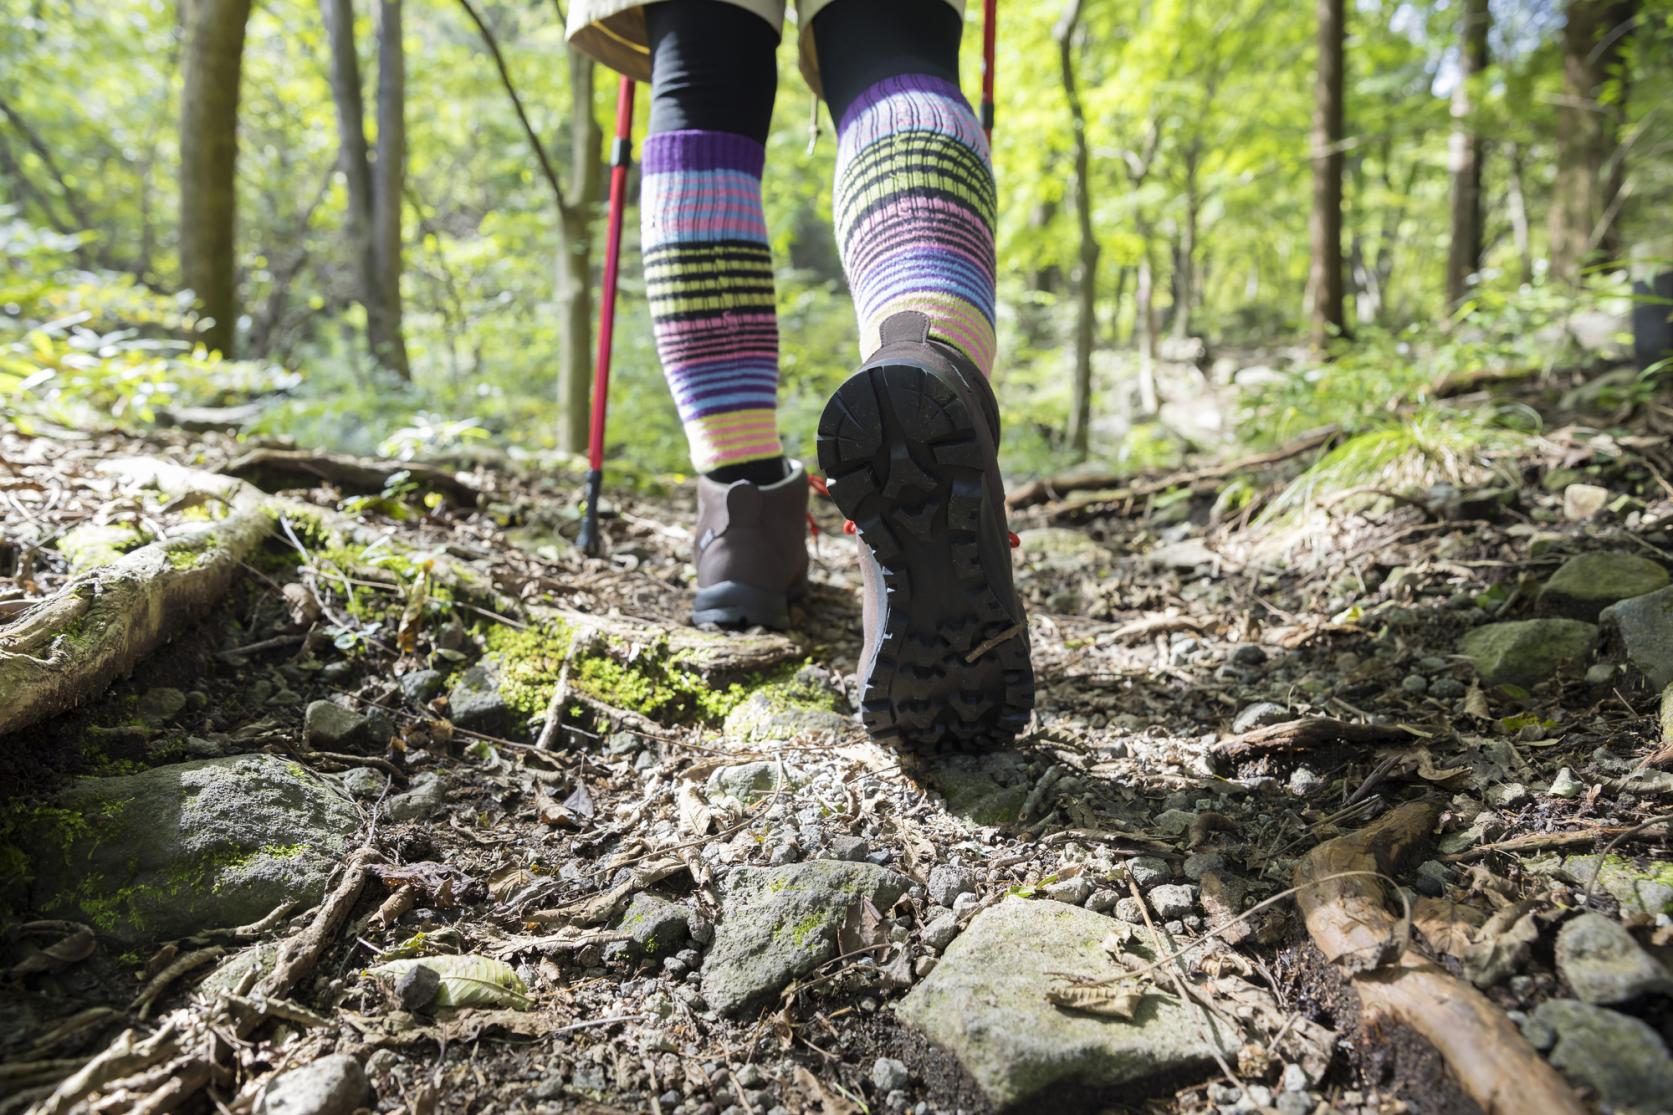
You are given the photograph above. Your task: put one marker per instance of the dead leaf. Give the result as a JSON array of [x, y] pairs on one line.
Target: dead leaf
[[808, 1085], [1446, 777], [1475, 703], [1106, 1002], [1448, 926], [75, 944], [444, 884], [1501, 945], [695, 815], [863, 929]]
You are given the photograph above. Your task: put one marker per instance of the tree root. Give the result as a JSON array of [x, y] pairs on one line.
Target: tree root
[[1349, 923], [274, 470], [1300, 735], [68, 647]]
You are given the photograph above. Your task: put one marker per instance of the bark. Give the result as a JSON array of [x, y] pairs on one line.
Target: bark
[[274, 470], [1185, 251], [574, 286], [1306, 734], [208, 156], [1590, 165], [1464, 155], [373, 213], [1516, 201], [1349, 921], [68, 647], [1324, 279], [1086, 278]]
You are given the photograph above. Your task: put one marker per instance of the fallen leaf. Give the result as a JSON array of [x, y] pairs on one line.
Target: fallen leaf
[[1475, 703], [466, 981], [1501, 945], [1105, 1002], [1449, 927], [74, 946], [445, 885]]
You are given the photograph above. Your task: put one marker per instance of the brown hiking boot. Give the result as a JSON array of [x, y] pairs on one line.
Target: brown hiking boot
[[751, 550], [909, 447]]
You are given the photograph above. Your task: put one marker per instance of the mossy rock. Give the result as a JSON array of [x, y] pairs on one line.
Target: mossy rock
[[1643, 629], [785, 709], [1586, 584], [1527, 652], [179, 849]]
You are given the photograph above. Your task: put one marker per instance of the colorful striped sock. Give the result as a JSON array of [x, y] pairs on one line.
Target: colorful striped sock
[[709, 281], [914, 208]]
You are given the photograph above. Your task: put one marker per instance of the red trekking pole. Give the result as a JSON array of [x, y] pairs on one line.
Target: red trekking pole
[[621, 157], [990, 15]]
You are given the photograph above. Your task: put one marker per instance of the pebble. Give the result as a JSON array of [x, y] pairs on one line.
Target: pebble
[[966, 902], [1201, 863], [426, 795], [889, 1075], [1295, 1078], [851, 848], [1148, 871], [1565, 785], [1129, 910], [1414, 684], [1102, 900], [1174, 822], [947, 882], [333, 1085], [1303, 781], [1431, 879], [1172, 900], [749, 1075], [1294, 1103], [1249, 656], [1508, 795], [1446, 689], [417, 987], [1074, 890], [1259, 715], [421, 686], [940, 930]]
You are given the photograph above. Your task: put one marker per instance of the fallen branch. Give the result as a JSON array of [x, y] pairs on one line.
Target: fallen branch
[[68, 647], [301, 953], [1347, 919], [1304, 734], [1049, 488], [274, 470], [1539, 841]]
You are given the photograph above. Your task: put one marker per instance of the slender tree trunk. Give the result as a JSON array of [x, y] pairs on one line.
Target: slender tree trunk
[[1589, 164], [1086, 277], [574, 281], [1145, 325], [1185, 254], [1516, 201], [388, 187], [208, 156], [1325, 273], [1464, 155]]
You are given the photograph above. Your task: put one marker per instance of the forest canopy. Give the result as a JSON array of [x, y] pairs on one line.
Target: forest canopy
[[387, 221]]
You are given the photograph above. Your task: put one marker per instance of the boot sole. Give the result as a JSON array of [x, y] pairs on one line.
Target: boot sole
[[903, 459]]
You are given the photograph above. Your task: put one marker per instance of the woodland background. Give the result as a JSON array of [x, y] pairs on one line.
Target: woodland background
[[1242, 218]]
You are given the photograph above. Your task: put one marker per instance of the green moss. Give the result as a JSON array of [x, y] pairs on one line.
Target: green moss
[[809, 926], [94, 544]]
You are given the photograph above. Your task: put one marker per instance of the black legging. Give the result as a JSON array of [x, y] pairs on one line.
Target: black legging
[[714, 68]]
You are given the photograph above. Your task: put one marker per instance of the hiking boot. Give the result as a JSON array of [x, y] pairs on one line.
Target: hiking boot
[[909, 448], [751, 550]]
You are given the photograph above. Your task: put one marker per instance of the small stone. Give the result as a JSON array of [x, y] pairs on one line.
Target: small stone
[[1565, 785], [750, 1076], [1431, 879], [421, 686], [947, 882], [382, 1061], [1074, 890], [1643, 627], [328, 726], [1599, 673], [940, 930], [1259, 715], [417, 986], [1295, 1078], [1102, 900], [1294, 1103], [889, 1075], [1173, 822], [160, 705], [1148, 871], [657, 926], [1586, 584], [1526, 652], [1604, 965], [476, 704], [1303, 781], [1249, 656], [363, 782], [1619, 1057], [333, 1085], [1173, 900], [1508, 795], [1583, 501], [1200, 863], [1129, 910], [1446, 689], [426, 795], [850, 848]]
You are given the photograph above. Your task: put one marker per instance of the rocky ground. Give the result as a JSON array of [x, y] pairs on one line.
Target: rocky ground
[[428, 812]]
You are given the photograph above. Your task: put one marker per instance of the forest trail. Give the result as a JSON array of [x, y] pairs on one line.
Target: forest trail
[[425, 787]]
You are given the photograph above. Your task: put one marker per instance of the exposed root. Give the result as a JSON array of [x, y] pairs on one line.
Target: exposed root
[[274, 470], [1300, 735], [1346, 916]]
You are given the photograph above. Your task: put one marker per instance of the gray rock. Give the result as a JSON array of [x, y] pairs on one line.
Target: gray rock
[[476, 704], [1583, 501], [422, 798], [178, 849], [1148, 871], [779, 922], [1060, 548], [1586, 584], [742, 785], [947, 882], [421, 686], [783, 712], [1259, 715], [1174, 822], [1129, 910], [1446, 689], [363, 782], [1529, 651], [939, 931], [1638, 892], [1507, 795], [333, 1085], [658, 927], [852, 848], [1619, 1057], [229, 974], [1643, 626], [1074, 890], [983, 1003], [1304, 780], [1415, 685], [1604, 965], [1565, 785], [417, 986], [1294, 1103], [1174, 900], [160, 705], [1249, 656], [1295, 1078], [1201, 863], [328, 726], [889, 1075]]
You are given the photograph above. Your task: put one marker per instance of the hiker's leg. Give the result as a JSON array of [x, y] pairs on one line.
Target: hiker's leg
[[708, 270], [913, 207]]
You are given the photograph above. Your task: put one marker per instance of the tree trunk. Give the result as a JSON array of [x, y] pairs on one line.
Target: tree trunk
[[1589, 164], [1324, 278], [1145, 325], [368, 224], [1464, 155], [388, 187], [574, 280], [1185, 253], [208, 156], [1516, 200], [1086, 278]]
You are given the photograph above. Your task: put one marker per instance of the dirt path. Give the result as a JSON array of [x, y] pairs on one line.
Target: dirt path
[[692, 886]]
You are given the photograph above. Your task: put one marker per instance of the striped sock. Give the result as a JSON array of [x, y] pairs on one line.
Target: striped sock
[[709, 281], [914, 209]]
